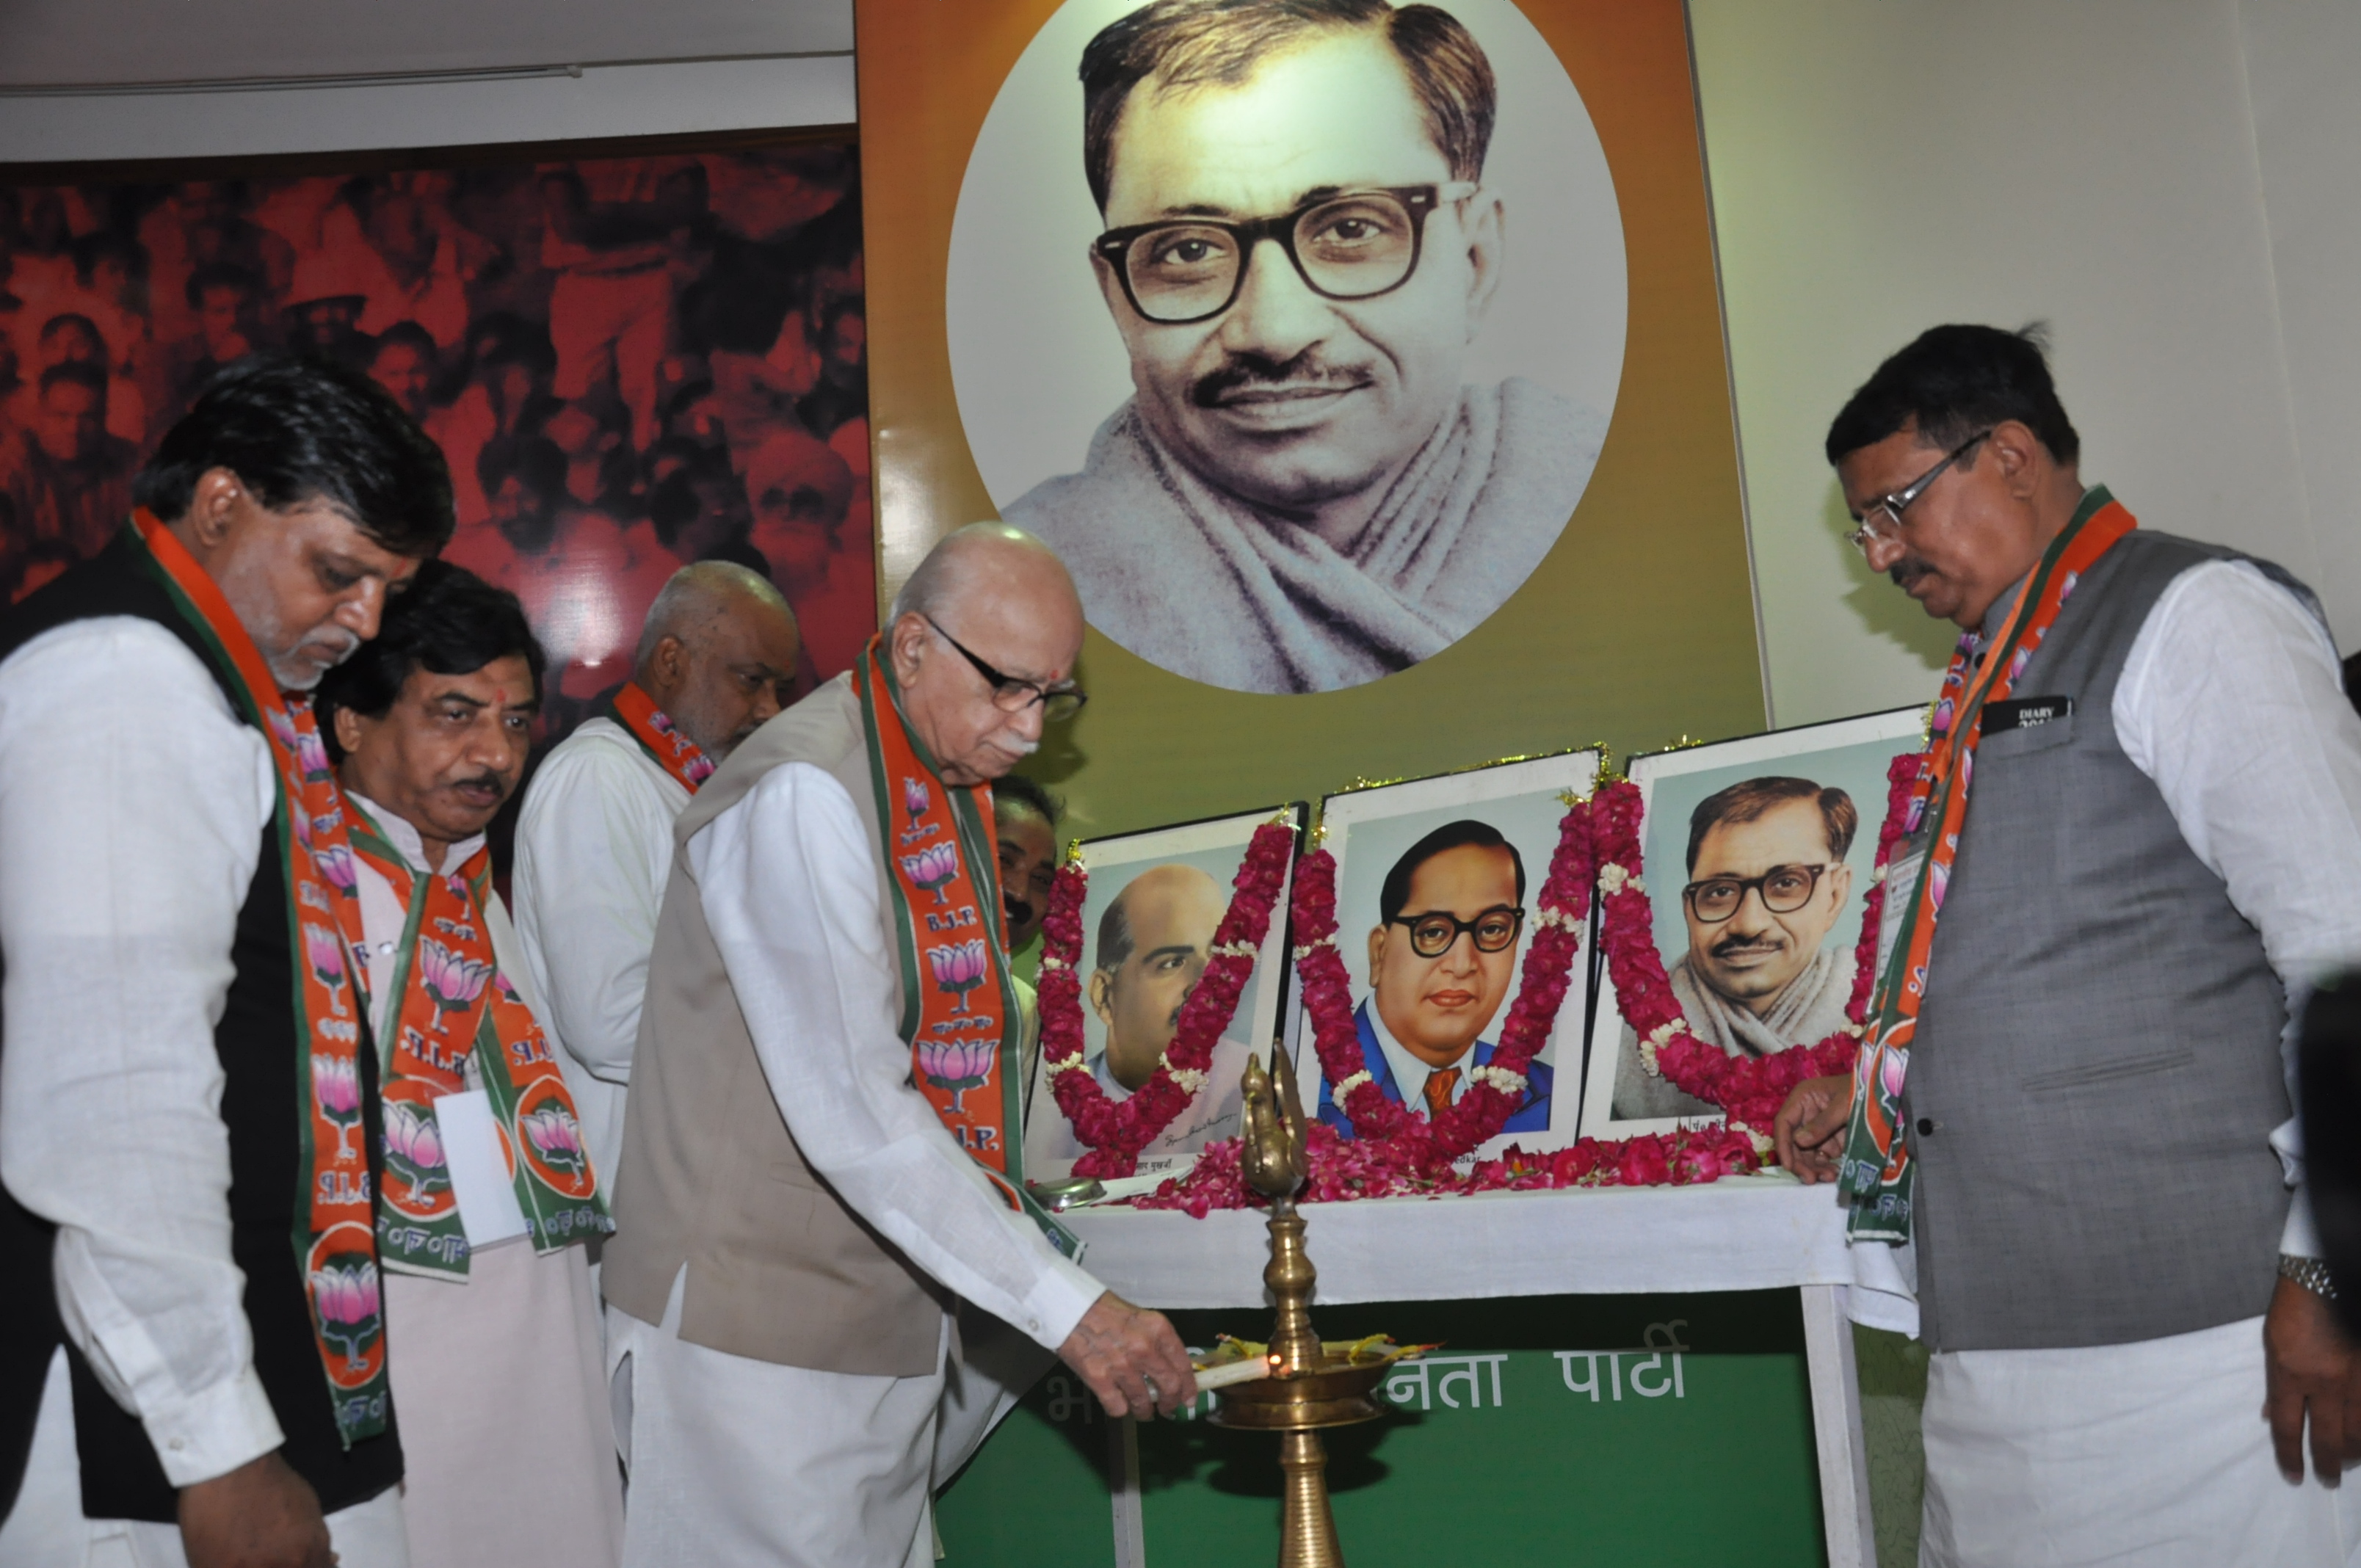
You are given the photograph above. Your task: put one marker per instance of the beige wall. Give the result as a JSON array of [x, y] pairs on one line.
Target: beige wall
[[1879, 167]]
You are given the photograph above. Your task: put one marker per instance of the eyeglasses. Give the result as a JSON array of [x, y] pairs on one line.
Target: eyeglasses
[[1354, 246], [1882, 519], [1012, 695], [1784, 890], [1431, 934]]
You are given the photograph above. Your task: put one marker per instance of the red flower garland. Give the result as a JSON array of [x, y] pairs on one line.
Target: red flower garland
[[1751, 1088], [1427, 1148], [1117, 1132], [1347, 1169]]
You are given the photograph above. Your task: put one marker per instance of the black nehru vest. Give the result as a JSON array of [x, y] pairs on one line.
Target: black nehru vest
[[258, 1045]]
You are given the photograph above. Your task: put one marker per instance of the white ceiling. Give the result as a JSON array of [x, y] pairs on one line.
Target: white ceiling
[[58, 43]]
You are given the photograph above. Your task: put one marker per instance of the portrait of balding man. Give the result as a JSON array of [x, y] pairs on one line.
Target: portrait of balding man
[[1766, 966], [1153, 942], [1298, 250]]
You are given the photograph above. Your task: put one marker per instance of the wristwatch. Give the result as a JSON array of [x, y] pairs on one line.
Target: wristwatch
[[2312, 1273]]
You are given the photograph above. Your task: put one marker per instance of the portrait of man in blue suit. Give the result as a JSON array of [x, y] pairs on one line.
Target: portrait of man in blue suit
[[1443, 958]]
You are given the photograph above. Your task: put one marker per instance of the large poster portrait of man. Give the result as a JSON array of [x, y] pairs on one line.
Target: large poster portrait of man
[[1155, 901], [1293, 325], [1436, 884], [1759, 853]]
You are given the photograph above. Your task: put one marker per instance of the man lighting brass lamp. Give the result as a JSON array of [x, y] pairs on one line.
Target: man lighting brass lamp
[[822, 1151]]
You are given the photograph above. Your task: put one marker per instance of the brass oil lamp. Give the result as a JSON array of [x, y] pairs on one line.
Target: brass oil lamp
[[1309, 1386]]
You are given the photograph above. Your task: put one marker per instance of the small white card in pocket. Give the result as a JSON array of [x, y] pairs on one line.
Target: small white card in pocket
[[480, 1184]]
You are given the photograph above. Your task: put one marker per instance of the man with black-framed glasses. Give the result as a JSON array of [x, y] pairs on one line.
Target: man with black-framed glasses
[[1303, 494], [2131, 856], [1443, 959], [1768, 886]]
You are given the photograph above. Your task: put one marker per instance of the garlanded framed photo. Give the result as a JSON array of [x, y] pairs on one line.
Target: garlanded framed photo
[[1757, 855], [1436, 886], [1149, 923]]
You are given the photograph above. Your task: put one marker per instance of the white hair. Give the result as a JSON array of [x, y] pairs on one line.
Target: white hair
[[944, 574], [698, 595]]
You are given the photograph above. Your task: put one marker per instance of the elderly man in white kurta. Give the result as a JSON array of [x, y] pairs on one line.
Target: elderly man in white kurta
[[821, 1152], [717, 656], [500, 1376]]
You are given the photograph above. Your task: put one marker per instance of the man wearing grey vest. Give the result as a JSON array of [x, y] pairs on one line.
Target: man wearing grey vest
[[2141, 847], [794, 1217]]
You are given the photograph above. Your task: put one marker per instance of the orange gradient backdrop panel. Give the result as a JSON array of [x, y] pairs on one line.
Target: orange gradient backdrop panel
[[1638, 627]]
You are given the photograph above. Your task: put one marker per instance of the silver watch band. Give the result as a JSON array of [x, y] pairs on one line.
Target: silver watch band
[[2312, 1273]]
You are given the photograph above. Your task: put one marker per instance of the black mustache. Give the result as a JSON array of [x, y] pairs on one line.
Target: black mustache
[[1907, 571], [494, 780], [1020, 911], [1254, 369], [1732, 944]]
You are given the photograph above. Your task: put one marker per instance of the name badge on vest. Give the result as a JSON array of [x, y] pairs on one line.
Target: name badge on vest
[[2024, 713]]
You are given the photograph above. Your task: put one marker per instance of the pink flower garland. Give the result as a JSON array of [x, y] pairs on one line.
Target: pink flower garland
[[1117, 1132], [1751, 1088], [1347, 1169]]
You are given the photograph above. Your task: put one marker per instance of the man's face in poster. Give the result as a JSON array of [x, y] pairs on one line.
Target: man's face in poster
[[1438, 1006], [1288, 399], [1171, 913], [1752, 955], [72, 423]]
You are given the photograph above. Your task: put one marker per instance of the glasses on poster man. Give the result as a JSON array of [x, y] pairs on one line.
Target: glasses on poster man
[[1783, 889], [1881, 519], [1011, 694], [1355, 245], [1431, 934]]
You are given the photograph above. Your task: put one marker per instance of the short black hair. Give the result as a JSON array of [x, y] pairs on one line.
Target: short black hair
[[449, 621], [77, 372], [1952, 382], [411, 336], [539, 463], [1017, 789], [303, 428], [1750, 800], [1190, 43], [1394, 896], [212, 275]]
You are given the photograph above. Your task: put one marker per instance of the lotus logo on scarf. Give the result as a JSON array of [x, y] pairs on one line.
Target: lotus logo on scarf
[[557, 1138], [933, 869], [916, 798], [1891, 1073], [336, 1087], [958, 969], [349, 1317], [311, 755], [958, 1065], [413, 1146], [324, 949], [452, 982], [335, 865]]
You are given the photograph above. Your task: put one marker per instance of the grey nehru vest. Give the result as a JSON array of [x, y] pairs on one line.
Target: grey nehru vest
[[2096, 1074]]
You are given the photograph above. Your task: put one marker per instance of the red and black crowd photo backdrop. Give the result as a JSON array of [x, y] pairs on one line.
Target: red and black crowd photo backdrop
[[635, 355]]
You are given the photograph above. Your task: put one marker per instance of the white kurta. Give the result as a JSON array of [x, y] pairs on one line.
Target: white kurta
[[2156, 1453], [735, 1460], [593, 852], [132, 803], [508, 1443]]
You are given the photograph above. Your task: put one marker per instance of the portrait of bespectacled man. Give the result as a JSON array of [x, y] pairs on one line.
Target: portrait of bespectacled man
[[1352, 415]]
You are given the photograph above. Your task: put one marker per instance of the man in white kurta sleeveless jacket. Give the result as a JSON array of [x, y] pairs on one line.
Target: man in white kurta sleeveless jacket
[[717, 656], [2132, 849], [823, 1146]]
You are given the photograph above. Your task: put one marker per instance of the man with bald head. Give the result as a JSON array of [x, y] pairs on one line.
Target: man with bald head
[[821, 1158], [1154, 941], [717, 655]]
